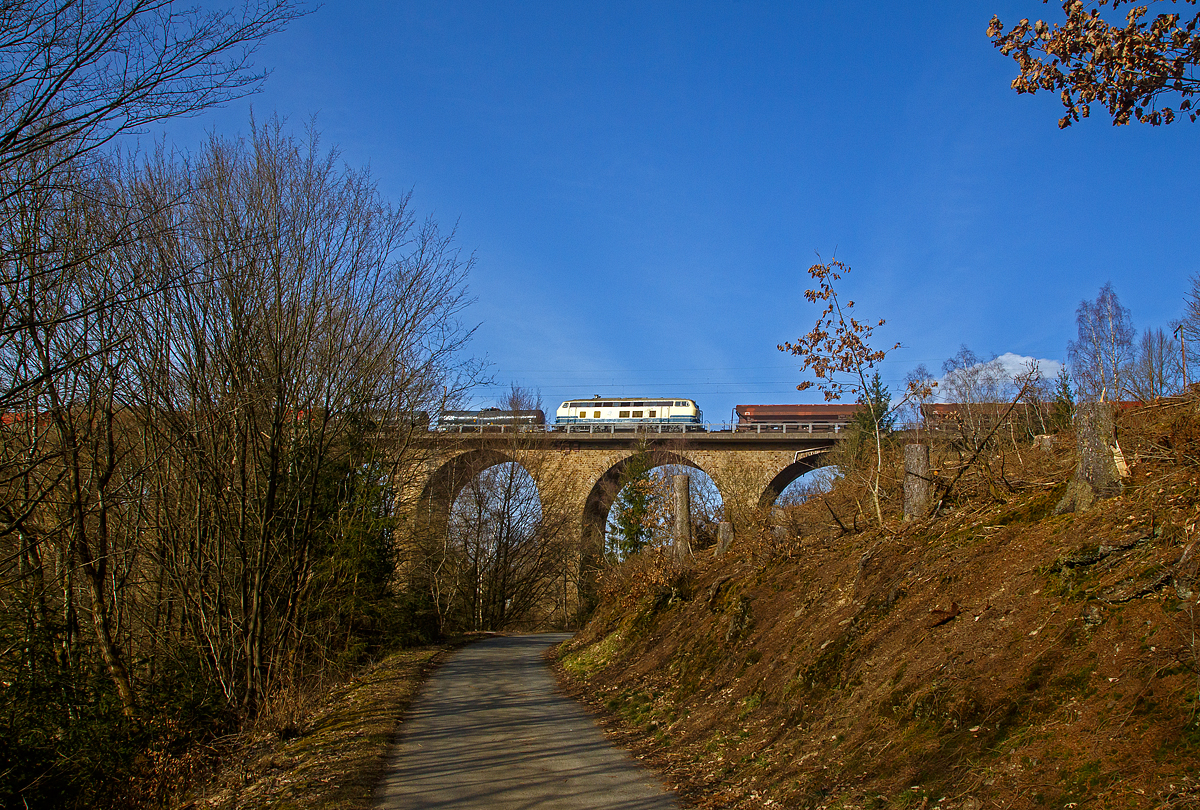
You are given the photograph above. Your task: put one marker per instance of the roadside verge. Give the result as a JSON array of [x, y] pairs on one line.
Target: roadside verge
[[333, 759]]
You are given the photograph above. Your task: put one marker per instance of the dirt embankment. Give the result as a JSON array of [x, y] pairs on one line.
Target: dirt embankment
[[996, 656]]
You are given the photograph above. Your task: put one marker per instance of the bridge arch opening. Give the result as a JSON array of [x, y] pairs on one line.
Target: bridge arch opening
[[494, 555], [799, 467], [445, 483], [600, 520], [815, 482]]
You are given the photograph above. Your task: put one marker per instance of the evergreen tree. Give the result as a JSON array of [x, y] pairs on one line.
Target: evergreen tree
[[1064, 401], [634, 511], [877, 408]]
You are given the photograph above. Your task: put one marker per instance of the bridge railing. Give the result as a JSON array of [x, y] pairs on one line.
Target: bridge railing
[[613, 428], [790, 427]]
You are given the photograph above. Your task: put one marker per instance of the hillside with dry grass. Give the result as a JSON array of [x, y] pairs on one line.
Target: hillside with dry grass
[[995, 655]]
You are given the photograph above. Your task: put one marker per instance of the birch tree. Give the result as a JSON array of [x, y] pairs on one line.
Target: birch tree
[[1103, 349]]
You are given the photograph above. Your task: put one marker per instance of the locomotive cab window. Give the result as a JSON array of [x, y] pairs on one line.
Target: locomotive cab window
[[597, 416], [653, 414]]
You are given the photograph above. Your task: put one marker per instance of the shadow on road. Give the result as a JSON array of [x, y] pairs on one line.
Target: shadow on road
[[490, 730]]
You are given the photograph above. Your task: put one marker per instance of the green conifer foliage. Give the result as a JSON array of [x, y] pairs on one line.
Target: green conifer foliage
[[635, 509], [1064, 401], [877, 402]]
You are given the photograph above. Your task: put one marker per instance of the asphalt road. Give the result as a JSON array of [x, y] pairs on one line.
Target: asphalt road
[[490, 730]]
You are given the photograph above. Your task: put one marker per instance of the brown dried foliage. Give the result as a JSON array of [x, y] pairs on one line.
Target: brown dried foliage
[[645, 575], [1091, 61], [838, 352], [838, 344]]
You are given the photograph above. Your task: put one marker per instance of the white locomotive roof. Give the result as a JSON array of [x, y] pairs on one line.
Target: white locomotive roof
[[627, 400]]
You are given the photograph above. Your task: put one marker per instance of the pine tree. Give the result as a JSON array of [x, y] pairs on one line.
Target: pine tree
[[634, 511], [1064, 401], [877, 408]]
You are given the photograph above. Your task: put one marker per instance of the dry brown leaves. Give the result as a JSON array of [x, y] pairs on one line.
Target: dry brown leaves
[[1124, 68]]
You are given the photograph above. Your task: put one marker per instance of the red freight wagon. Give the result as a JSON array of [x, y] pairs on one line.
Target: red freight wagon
[[788, 418]]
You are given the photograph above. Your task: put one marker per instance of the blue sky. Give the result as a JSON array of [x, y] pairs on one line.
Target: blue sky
[[643, 186]]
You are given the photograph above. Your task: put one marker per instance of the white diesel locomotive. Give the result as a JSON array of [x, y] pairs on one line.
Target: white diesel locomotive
[[610, 414]]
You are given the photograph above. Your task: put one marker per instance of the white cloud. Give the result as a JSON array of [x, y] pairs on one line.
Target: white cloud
[[1015, 364]]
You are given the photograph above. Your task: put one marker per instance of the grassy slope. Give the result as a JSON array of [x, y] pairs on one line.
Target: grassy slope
[[332, 758], [996, 656]]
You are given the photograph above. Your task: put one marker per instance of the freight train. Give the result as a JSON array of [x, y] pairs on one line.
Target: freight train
[[794, 418], [600, 415]]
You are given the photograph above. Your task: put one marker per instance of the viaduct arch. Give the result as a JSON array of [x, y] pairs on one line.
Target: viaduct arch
[[580, 473]]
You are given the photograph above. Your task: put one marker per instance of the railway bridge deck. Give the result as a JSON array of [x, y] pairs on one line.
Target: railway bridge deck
[[581, 471], [579, 474]]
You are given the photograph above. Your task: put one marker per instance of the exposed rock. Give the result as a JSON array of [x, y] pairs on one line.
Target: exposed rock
[[941, 617], [1184, 576], [714, 590], [1136, 587], [1090, 555]]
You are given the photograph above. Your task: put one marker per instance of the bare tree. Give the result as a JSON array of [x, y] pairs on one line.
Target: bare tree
[[970, 379], [986, 450], [922, 383], [1101, 354], [643, 513], [1188, 327], [978, 390], [506, 560], [73, 76], [1157, 370], [69, 470], [813, 484], [318, 314], [203, 480]]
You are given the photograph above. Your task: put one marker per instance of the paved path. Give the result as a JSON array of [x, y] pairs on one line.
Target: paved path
[[490, 730]]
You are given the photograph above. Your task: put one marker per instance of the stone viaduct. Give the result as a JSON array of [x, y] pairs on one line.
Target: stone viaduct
[[579, 473]]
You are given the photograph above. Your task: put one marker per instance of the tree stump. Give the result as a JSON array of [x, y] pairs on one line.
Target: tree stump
[[778, 525], [682, 536], [724, 537], [1097, 475], [918, 484]]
